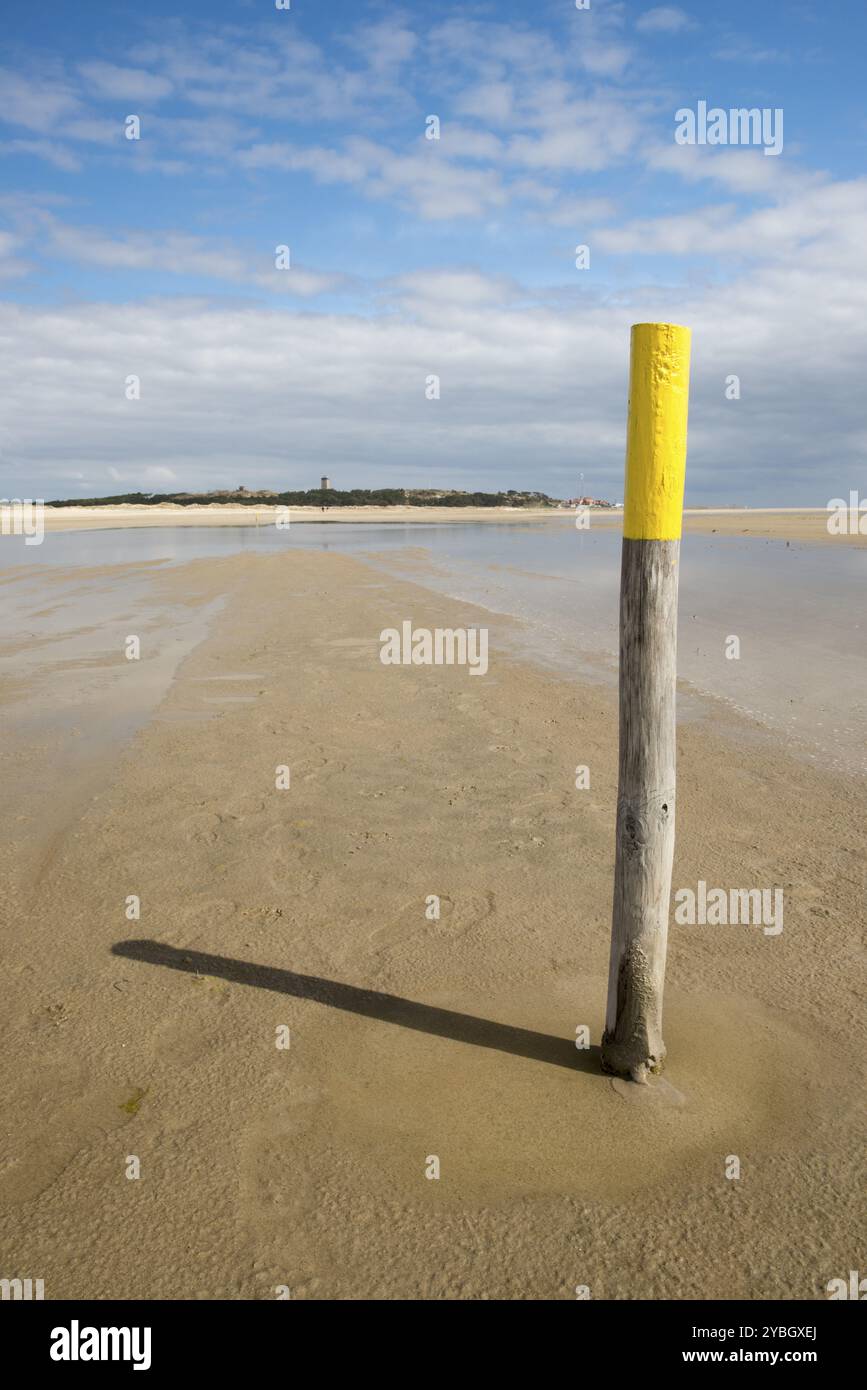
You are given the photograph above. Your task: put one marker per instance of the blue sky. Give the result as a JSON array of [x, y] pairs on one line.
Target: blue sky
[[413, 257]]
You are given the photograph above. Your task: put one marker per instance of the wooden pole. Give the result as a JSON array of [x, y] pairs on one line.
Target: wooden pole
[[653, 508]]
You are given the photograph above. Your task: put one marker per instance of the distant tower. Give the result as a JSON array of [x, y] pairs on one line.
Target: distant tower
[[325, 484]]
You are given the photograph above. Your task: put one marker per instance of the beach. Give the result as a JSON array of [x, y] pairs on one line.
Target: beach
[[808, 524], [221, 962]]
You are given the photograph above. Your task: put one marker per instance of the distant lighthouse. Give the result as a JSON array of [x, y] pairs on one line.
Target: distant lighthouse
[[325, 485]]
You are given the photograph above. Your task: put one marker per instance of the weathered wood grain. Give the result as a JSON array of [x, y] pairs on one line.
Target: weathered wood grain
[[632, 1044]]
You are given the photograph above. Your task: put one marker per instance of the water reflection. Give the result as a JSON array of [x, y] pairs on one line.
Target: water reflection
[[796, 608]]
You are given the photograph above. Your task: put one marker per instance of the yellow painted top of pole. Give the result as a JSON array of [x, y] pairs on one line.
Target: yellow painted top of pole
[[656, 433]]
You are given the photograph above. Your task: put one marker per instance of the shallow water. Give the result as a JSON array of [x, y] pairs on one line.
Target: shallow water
[[70, 698], [796, 609]]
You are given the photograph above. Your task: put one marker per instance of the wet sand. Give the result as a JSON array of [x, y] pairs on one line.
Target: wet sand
[[410, 1038]]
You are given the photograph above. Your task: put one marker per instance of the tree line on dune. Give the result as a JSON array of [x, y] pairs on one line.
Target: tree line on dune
[[321, 497]]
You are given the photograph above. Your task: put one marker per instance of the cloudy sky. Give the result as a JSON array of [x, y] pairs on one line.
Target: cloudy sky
[[412, 257]]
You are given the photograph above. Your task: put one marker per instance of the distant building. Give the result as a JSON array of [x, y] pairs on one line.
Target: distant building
[[586, 502], [325, 485]]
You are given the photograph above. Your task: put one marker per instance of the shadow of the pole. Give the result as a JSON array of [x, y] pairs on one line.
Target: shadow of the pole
[[370, 1003]]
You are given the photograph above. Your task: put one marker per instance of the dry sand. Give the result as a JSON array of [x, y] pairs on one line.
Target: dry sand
[[411, 1038], [765, 523], [219, 514], [770, 525]]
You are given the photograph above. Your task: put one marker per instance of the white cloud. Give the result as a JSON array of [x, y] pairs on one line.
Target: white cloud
[[436, 186], [459, 288], [173, 253], [41, 105], [532, 378], [51, 108], [810, 222], [508, 94], [12, 267], [386, 45], [58, 155], [743, 170], [489, 101], [529, 385], [124, 84], [580, 136], [664, 19]]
